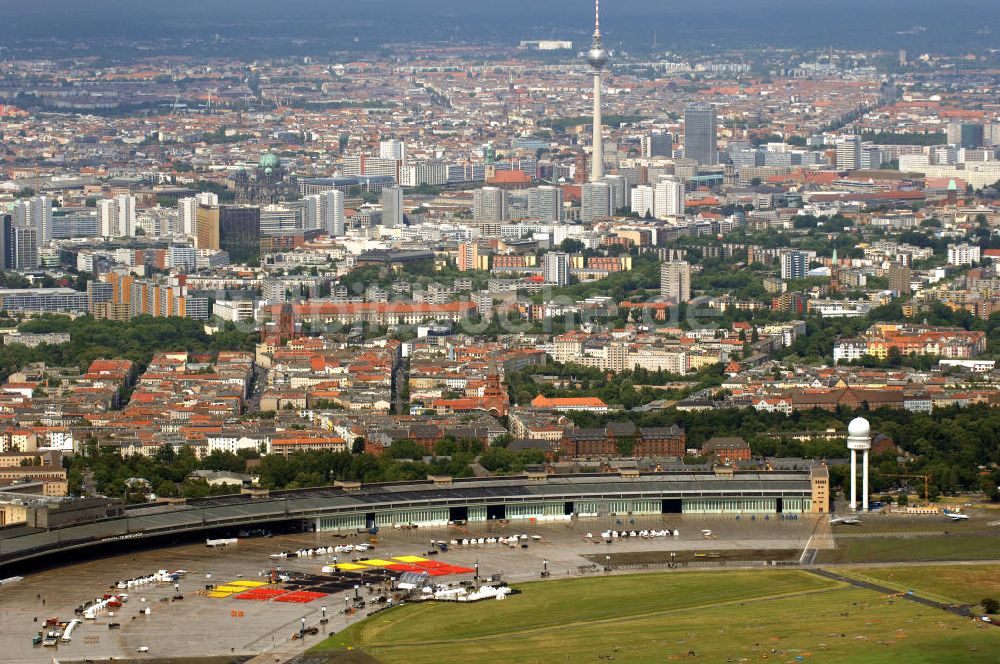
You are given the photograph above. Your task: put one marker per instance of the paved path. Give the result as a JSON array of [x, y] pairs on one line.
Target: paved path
[[885, 590]]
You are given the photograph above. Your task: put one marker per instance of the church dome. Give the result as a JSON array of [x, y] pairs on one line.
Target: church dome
[[269, 161]]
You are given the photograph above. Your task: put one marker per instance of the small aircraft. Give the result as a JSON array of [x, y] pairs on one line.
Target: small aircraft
[[955, 516], [845, 521]]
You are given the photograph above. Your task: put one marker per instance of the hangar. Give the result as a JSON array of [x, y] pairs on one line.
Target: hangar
[[436, 501]]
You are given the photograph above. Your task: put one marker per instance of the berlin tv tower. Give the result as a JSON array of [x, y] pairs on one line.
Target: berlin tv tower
[[597, 58]]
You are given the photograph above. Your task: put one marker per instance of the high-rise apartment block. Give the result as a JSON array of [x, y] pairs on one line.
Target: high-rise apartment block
[[675, 281]]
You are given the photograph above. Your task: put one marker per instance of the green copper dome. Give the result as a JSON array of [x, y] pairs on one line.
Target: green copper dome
[[269, 161]]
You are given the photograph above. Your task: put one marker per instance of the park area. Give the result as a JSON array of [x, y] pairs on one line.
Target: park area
[[739, 616]]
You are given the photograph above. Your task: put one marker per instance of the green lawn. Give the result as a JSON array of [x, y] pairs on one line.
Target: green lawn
[[664, 617], [920, 548], [961, 584]]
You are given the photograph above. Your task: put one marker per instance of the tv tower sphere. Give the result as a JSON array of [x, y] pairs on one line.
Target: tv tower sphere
[[597, 57]]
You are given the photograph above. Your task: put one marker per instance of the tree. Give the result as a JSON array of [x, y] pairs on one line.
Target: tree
[[405, 449], [571, 246], [166, 489], [990, 605]]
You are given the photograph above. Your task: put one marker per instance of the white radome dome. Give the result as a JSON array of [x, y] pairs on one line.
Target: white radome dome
[[859, 427]]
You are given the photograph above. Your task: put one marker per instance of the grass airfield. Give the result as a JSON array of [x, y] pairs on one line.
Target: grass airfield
[[734, 616]]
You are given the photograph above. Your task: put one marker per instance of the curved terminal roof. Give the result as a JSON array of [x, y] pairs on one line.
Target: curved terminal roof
[[246, 510]]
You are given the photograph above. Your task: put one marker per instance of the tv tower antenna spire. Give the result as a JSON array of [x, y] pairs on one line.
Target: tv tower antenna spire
[[597, 58]]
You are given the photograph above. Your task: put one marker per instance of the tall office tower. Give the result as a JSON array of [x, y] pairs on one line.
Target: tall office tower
[[658, 144], [392, 207], [107, 216], [489, 204], [332, 212], [234, 229], [634, 175], [545, 203], [794, 265], [555, 268], [187, 214], [117, 216], [668, 198], [899, 279], [595, 201], [965, 134], [618, 186], [700, 141], [37, 213], [6, 241], [392, 149], [597, 58], [849, 153], [991, 134], [643, 200], [18, 245], [21, 247], [311, 216], [675, 281], [207, 198], [871, 157]]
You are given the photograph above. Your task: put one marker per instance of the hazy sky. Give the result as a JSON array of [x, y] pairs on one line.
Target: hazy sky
[[850, 23]]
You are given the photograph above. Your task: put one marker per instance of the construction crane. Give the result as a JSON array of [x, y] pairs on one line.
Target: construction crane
[[925, 478]]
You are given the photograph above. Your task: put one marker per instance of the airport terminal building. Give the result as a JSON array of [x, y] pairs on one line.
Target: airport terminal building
[[436, 501]]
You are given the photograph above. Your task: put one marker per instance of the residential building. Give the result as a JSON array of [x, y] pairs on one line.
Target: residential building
[[849, 153], [668, 198], [643, 200], [545, 204], [392, 207], [555, 268], [392, 149], [963, 254], [187, 212], [595, 201], [489, 204], [794, 265], [117, 216], [900, 277], [35, 212], [675, 281]]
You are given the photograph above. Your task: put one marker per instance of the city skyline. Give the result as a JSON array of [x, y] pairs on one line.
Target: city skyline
[[324, 324]]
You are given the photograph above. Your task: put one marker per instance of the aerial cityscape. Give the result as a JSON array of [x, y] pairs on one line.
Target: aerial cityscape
[[324, 327]]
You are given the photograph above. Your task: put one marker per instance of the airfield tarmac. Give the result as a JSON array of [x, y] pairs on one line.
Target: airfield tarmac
[[199, 626]]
